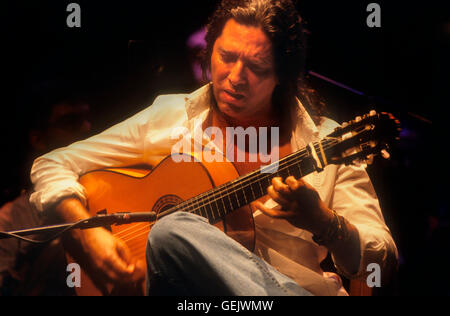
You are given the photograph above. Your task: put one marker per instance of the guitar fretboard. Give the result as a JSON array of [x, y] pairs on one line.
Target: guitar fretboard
[[216, 203]]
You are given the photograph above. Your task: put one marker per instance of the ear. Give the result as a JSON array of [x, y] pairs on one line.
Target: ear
[[37, 140]]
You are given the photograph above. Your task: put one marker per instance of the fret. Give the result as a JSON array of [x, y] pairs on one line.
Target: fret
[[256, 186], [283, 173], [203, 211], [260, 187], [210, 212], [215, 210], [196, 208], [294, 171], [253, 193], [192, 208], [238, 202], [267, 181], [189, 208], [224, 209], [240, 196], [299, 170], [243, 193], [246, 192], [289, 171], [229, 199]]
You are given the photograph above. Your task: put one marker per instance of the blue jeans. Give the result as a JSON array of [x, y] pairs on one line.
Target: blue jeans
[[188, 256]]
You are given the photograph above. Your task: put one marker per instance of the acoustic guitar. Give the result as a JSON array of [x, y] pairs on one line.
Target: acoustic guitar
[[215, 190]]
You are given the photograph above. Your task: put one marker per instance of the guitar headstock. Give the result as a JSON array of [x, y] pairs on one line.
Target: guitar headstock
[[362, 138]]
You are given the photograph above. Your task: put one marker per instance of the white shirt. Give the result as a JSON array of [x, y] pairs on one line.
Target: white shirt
[[146, 138]]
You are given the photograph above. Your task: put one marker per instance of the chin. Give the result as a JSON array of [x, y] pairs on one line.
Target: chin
[[231, 110]]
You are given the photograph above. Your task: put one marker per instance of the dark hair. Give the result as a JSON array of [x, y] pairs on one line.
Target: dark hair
[[282, 23]]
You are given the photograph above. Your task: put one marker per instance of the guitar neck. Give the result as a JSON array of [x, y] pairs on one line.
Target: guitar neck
[[222, 200]]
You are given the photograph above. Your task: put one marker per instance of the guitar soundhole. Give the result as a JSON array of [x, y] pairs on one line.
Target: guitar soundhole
[[166, 202]]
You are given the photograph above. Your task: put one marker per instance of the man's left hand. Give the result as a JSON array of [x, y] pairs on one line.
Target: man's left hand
[[300, 204]]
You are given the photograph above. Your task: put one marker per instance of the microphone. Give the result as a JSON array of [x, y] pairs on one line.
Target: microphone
[[92, 222], [117, 219]]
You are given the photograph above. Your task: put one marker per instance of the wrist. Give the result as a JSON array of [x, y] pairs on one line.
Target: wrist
[[71, 210], [335, 230], [323, 222]]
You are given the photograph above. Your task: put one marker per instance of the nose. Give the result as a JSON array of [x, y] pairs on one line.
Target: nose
[[236, 76]]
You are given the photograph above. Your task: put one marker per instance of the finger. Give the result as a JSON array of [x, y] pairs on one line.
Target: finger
[[124, 254], [116, 268], [293, 184], [280, 187], [265, 210], [300, 186], [276, 196], [270, 211]]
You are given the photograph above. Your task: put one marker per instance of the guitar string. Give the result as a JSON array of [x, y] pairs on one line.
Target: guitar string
[[242, 181], [134, 247], [134, 236], [132, 225], [125, 232], [288, 161], [218, 192], [134, 232], [133, 229]]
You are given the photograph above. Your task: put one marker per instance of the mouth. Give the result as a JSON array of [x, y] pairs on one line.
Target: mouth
[[233, 96]]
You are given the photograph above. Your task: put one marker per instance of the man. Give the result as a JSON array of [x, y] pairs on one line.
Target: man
[[254, 53]]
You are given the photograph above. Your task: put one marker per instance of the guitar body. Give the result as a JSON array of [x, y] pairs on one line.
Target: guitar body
[[168, 184]]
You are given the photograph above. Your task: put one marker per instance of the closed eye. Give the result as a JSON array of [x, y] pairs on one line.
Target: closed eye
[[227, 57], [259, 70]]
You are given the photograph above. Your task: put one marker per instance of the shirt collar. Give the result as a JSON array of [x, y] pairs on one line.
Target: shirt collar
[[305, 130], [199, 103]]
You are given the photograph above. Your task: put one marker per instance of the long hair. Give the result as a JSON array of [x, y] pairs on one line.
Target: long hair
[[283, 25]]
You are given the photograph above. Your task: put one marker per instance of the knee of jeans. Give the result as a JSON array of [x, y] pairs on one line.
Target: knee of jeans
[[166, 232]]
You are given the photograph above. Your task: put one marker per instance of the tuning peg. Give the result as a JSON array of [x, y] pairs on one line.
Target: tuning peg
[[372, 113], [358, 119]]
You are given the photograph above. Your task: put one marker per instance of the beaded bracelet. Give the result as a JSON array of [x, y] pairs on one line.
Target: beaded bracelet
[[336, 230]]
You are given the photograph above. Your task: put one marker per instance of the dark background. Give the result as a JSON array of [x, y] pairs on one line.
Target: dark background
[[401, 67]]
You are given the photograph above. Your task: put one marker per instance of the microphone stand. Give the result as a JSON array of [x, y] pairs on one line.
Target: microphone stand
[[93, 222]]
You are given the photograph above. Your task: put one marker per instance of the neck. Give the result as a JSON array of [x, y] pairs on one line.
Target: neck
[[263, 119], [271, 119]]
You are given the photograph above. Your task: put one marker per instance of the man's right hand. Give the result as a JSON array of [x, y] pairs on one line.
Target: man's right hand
[[103, 256]]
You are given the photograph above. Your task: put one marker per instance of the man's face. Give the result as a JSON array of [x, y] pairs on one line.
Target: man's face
[[243, 72]]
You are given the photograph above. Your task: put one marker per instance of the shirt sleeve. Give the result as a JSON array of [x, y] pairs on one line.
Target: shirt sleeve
[[355, 199], [55, 175]]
